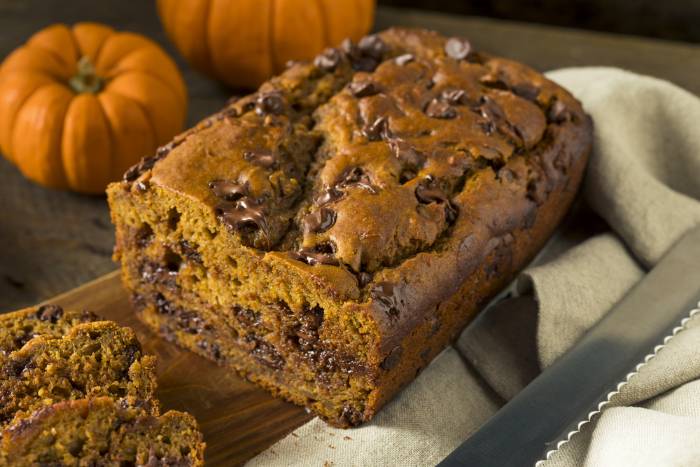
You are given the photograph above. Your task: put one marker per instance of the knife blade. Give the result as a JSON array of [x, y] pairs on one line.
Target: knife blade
[[568, 394]]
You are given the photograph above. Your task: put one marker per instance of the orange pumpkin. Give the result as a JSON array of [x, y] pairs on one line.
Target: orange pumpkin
[[79, 105], [244, 42]]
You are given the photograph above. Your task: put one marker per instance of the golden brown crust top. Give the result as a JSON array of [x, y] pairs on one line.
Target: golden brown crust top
[[378, 152]]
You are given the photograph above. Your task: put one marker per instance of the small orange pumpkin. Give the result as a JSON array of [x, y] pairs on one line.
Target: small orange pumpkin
[[244, 42], [79, 105]]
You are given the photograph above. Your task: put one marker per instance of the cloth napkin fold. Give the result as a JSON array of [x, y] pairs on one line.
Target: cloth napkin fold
[[641, 193]]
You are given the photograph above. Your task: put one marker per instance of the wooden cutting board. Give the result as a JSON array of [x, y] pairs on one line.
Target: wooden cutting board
[[238, 419]]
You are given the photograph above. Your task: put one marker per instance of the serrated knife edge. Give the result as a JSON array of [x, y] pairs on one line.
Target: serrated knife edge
[[608, 399]]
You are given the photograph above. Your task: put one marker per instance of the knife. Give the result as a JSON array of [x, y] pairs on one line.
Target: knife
[[576, 387]]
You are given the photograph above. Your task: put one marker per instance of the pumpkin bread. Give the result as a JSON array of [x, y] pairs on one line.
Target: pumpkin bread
[[67, 382], [100, 431], [17, 328], [330, 234], [91, 359]]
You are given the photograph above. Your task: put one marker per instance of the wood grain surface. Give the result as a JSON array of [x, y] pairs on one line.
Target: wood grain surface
[[53, 241], [238, 420]]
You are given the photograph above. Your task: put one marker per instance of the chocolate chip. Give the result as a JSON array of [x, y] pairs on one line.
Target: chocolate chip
[[363, 88], [402, 60], [144, 236], [505, 174], [558, 112], [328, 60], [132, 352], [364, 63], [406, 153], [189, 250], [142, 186], [228, 189], [377, 129], [269, 103], [457, 48], [316, 255], [51, 313], [142, 166], [165, 150], [491, 111], [350, 416], [363, 278], [392, 359], [264, 159], [366, 55], [406, 176], [348, 48], [329, 195], [319, 221], [428, 191], [454, 96], [388, 298], [526, 91], [372, 46], [355, 176], [244, 215], [212, 350], [132, 173], [440, 109], [266, 354]]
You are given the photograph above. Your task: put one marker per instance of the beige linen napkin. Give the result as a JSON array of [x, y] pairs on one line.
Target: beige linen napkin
[[644, 182]]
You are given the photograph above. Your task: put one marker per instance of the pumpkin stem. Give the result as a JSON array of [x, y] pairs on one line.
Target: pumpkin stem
[[86, 80]]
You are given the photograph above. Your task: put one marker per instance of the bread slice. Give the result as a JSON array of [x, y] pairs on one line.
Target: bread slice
[[93, 359], [100, 431], [18, 327]]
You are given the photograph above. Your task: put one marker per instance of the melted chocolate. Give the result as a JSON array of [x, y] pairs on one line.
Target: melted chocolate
[[264, 159], [454, 96], [51, 313], [228, 190], [558, 112], [388, 297], [440, 109], [329, 195], [312, 257], [328, 60], [319, 221], [270, 103], [355, 176], [407, 154], [377, 129], [363, 88], [244, 215], [392, 359]]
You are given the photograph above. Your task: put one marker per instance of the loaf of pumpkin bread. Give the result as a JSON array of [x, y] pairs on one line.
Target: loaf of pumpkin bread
[[328, 235]]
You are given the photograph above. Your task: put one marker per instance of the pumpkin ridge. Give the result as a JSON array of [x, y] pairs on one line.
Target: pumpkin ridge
[[148, 72], [37, 45], [96, 58], [13, 120], [148, 116], [272, 45], [324, 21], [208, 58]]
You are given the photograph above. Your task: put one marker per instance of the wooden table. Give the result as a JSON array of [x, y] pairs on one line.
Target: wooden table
[[53, 241]]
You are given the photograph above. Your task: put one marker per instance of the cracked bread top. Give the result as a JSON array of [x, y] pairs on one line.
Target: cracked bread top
[[378, 153]]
